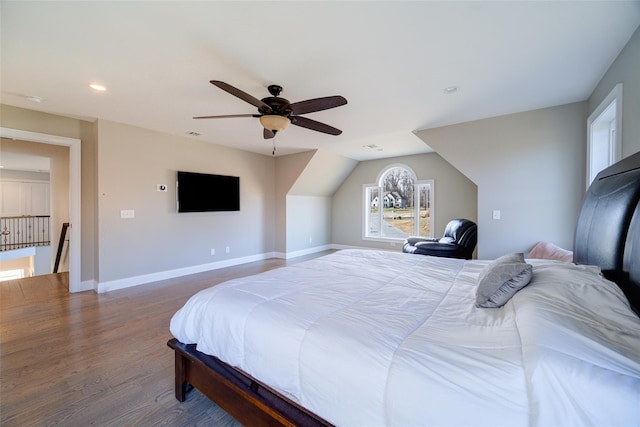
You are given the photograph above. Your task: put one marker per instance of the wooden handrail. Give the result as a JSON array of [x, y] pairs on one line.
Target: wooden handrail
[[63, 234]]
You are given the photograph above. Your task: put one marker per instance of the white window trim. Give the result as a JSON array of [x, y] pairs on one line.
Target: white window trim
[[364, 210], [616, 148], [432, 190]]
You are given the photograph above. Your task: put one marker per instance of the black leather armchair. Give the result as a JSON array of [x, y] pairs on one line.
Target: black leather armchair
[[459, 241]]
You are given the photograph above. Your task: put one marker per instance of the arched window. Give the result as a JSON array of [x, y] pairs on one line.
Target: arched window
[[397, 205]]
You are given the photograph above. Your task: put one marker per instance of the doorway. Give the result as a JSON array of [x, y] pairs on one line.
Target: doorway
[[74, 233]]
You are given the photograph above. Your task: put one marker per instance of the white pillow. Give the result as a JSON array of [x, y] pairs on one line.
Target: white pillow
[[501, 279]]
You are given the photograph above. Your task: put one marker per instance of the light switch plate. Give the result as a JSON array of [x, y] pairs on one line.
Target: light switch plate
[[496, 214], [127, 213]]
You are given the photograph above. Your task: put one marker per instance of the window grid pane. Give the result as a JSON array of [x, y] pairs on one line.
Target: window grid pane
[[372, 217], [424, 203]]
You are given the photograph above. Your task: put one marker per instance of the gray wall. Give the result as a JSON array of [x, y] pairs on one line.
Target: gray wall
[[527, 165], [626, 70], [288, 169], [133, 161], [308, 222], [455, 197]]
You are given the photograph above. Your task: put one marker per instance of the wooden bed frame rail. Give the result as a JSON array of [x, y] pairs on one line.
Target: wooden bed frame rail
[[246, 399]]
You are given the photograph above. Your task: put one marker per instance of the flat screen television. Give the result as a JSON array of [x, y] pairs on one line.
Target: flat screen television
[[201, 192]]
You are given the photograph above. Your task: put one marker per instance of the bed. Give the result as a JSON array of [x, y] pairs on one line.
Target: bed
[[365, 337]]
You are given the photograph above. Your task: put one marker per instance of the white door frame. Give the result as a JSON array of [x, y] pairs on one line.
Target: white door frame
[[75, 284]]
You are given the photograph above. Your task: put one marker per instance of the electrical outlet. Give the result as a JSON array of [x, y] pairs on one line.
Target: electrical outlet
[[213, 251], [228, 249], [127, 213]]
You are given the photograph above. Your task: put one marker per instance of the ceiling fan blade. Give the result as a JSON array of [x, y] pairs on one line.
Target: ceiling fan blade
[[314, 125], [268, 134], [242, 95], [228, 116], [317, 104]]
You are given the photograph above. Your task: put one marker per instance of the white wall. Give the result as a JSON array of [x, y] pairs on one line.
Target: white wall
[[43, 257], [131, 162], [527, 165]]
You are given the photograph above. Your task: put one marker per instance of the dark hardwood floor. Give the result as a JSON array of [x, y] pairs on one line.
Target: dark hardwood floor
[[100, 359]]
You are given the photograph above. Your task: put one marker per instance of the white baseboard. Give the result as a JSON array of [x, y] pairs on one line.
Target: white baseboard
[[170, 274], [88, 285], [128, 282], [307, 251], [340, 247]]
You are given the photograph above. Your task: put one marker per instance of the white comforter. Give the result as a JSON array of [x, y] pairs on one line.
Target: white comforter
[[372, 338]]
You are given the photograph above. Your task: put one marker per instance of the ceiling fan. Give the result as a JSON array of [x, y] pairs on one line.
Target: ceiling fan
[[277, 113]]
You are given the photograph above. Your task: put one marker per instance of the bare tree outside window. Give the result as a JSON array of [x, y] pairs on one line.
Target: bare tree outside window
[[399, 180]]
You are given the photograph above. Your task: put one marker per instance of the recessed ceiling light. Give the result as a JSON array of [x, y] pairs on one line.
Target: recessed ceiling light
[[451, 89], [98, 87], [34, 98], [372, 147]]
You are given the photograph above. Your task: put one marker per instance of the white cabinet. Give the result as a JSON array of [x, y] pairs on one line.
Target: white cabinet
[[24, 198], [38, 199], [12, 199]]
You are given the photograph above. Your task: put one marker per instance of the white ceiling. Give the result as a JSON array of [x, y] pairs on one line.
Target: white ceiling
[[392, 60]]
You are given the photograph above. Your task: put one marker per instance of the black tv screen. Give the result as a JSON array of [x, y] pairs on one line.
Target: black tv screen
[[201, 192]]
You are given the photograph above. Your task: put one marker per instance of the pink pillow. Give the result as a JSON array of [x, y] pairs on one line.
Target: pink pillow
[[546, 250]]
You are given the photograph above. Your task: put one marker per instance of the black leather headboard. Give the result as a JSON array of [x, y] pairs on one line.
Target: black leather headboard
[[608, 228], [631, 261]]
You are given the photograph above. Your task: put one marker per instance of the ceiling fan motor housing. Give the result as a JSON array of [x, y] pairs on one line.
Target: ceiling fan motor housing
[[279, 106], [274, 90]]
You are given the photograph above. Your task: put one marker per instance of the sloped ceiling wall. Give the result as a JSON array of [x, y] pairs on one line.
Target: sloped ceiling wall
[[322, 175]]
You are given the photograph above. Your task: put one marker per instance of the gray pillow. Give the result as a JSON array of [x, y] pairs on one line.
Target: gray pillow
[[501, 279]]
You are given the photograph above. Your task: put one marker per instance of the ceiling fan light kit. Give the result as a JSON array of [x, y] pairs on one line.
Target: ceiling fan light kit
[[277, 113], [274, 123]]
